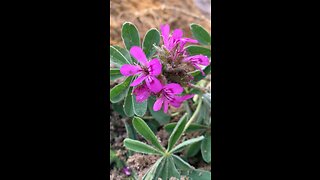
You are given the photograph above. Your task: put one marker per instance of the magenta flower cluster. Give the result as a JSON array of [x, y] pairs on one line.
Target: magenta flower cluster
[[148, 72]]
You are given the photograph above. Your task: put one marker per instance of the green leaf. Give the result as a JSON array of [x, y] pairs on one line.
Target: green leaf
[[197, 75], [139, 109], [128, 106], [206, 148], [117, 58], [144, 130], [181, 164], [141, 147], [177, 132], [186, 143], [195, 50], [169, 169], [130, 134], [152, 171], [160, 169], [198, 174], [200, 34], [151, 38], [130, 35], [193, 127], [193, 149], [124, 52], [118, 107], [115, 73], [173, 172], [161, 117], [118, 92], [153, 125]]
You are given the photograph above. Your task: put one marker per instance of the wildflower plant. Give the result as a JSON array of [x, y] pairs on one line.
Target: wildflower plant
[[160, 75]]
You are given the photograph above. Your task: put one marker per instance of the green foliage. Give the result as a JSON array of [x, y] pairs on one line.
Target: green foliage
[[124, 102], [168, 165], [195, 50], [200, 34], [130, 35], [151, 39], [118, 92]]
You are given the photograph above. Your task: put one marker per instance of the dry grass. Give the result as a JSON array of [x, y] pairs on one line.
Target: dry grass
[[146, 14]]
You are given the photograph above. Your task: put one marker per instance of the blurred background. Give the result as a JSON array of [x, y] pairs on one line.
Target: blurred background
[[146, 14]]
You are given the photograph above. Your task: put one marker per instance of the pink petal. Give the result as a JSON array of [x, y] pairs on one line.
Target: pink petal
[[202, 60], [174, 88], [155, 67], [137, 53], [138, 80], [199, 68], [165, 106], [178, 100], [165, 30], [158, 104], [142, 93], [175, 102], [199, 59], [129, 70], [186, 97], [189, 40], [186, 40], [153, 84], [177, 34]]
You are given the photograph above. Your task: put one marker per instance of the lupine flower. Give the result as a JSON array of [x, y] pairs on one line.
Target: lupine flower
[[141, 92], [146, 71], [126, 171], [198, 60], [168, 95], [174, 43]]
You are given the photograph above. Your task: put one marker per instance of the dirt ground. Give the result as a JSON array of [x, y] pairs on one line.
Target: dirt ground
[[146, 14]]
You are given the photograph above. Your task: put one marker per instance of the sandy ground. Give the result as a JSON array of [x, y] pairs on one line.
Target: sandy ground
[[146, 14]]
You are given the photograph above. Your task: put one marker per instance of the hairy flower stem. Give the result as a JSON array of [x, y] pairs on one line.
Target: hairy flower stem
[[195, 114]]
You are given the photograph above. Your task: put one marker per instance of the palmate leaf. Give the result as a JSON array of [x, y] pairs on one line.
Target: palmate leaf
[[143, 129], [115, 73], [193, 127], [195, 50], [151, 38], [117, 58], [139, 109], [128, 105], [181, 164], [177, 131], [152, 171], [193, 149], [130, 134], [124, 52], [186, 143], [141, 147], [130, 35], [206, 148], [118, 92], [200, 34], [118, 107]]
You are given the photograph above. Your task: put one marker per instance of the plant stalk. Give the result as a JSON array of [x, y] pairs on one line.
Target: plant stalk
[[195, 114]]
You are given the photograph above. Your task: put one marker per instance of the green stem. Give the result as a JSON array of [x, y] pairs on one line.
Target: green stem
[[174, 114], [195, 114]]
